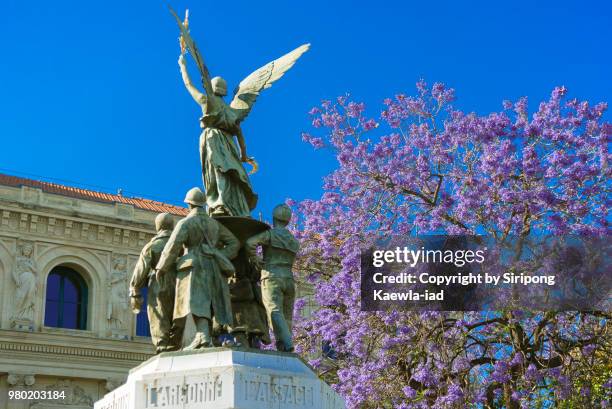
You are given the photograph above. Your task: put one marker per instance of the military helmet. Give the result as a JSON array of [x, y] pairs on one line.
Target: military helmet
[[282, 213], [219, 86], [164, 221], [195, 197]]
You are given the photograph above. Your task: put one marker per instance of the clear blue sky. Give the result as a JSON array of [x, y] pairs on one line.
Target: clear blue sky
[[90, 92]]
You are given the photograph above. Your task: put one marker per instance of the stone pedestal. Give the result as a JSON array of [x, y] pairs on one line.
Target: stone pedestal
[[222, 378]]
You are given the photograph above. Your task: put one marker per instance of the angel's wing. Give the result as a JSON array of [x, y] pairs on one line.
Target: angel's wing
[[249, 88]]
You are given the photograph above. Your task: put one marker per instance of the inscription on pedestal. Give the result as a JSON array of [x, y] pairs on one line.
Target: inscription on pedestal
[[274, 391], [178, 394]]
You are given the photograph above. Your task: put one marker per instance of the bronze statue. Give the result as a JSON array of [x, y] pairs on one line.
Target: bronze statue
[[160, 297], [250, 327], [202, 249], [277, 284], [216, 281], [228, 188]]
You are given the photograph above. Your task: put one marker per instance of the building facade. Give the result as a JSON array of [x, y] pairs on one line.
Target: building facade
[[66, 256]]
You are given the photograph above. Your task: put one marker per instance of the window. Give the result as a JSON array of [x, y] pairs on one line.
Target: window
[[66, 301], [142, 319]]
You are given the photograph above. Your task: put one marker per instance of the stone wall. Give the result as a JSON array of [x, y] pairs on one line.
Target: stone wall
[[100, 241]]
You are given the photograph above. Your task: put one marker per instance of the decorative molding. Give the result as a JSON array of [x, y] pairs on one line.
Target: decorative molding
[[101, 233], [73, 351], [23, 221], [141, 239], [85, 231], [68, 228], [126, 237], [5, 218], [117, 235], [33, 223], [27, 222], [17, 380]]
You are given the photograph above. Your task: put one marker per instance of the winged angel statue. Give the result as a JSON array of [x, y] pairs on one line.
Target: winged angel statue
[[228, 189]]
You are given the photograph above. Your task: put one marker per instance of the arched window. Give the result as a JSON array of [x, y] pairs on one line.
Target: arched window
[[142, 319], [66, 301]]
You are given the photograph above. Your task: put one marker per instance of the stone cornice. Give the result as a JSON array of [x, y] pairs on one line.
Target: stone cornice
[[52, 225], [75, 215], [67, 345]]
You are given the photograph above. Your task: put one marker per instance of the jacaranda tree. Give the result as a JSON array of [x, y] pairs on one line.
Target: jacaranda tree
[[424, 167]]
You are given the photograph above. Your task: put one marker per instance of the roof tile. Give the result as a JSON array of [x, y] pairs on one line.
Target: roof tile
[[78, 193]]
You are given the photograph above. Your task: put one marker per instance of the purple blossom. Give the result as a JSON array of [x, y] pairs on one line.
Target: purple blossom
[[425, 376], [409, 392], [589, 349], [423, 166], [518, 359], [500, 372], [532, 374]]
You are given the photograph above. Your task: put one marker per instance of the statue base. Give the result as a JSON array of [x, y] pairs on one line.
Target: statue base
[[222, 378]]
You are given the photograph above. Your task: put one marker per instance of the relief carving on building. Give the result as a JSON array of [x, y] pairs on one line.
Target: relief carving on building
[[20, 381], [117, 310], [72, 395], [23, 221], [25, 277]]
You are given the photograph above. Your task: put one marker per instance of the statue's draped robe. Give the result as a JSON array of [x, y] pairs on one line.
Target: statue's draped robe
[[201, 289], [26, 288], [225, 179], [117, 306], [247, 306]]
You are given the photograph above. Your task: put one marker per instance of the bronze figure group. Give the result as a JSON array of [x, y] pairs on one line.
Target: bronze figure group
[[207, 267]]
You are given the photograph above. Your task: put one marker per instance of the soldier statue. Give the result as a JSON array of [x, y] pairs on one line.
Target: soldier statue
[[160, 297], [201, 248], [277, 284]]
